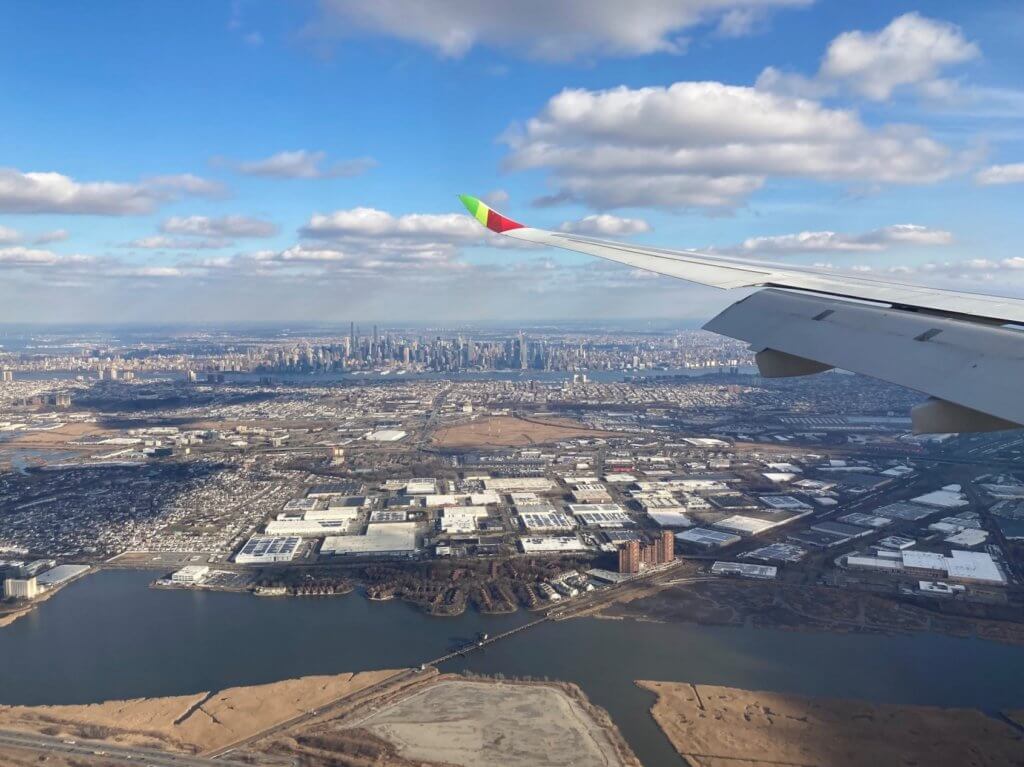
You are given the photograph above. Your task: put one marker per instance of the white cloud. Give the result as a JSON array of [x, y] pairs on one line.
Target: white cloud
[[222, 227], [606, 225], [1001, 174], [301, 163], [912, 51], [188, 183], [496, 197], [683, 145], [160, 242], [542, 29], [822, 242], [148, 271], [8, 235], [54, 235], [370, 222], [29, 257], [56, 193]]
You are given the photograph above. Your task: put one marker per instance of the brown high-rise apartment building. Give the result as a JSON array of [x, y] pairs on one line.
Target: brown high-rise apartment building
[[634, 555], [629, 557]]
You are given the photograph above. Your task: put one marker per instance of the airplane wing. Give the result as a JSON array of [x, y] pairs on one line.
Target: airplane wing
[[964, 350]]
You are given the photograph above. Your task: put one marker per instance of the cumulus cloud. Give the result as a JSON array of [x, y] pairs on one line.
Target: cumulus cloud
[[8, 235], [606, 225], [683, 146], [56, 193], [222, 227], [370, 222], [823, 242], [1012, 173], [301, 163], [542, 29], [912, 51]]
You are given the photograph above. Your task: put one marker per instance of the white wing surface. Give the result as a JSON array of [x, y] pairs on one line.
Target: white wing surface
[[962, 349]]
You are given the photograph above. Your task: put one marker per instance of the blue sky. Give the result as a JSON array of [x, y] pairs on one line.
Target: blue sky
[[211, 161]]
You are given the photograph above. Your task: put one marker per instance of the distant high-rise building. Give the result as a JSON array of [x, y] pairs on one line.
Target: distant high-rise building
[[21, 588], [7, 375]]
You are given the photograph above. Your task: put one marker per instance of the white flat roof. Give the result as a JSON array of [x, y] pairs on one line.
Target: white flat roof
[[551, 543], [670, 518], [385, 435], [741, 524], [973, 566], [379, 539]]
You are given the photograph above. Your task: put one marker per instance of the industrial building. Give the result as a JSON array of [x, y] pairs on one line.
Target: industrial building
[[590, 492], [516, 484], [709, 539], [385, 435], [388, 539], [601, 515], [60, 575], [777, 552], [421, 486], [461, 519], [544, 521], [267, 549], [744, 525], [670, 518], [551, 544], [191, 574], [744, 570], [388, 515], [963, 566], [309, 528]]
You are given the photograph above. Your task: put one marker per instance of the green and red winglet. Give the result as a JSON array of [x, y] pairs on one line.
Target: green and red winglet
[[488, 217]]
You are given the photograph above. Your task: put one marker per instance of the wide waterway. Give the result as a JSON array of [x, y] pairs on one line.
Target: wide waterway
[[110, 636]]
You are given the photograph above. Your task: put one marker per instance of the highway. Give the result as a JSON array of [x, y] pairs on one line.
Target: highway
[[108, 753]]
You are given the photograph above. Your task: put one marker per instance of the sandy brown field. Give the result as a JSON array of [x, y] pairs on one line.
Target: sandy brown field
[[724, 727], [193, 723], [511, 431], [496, 724], [57, 437]]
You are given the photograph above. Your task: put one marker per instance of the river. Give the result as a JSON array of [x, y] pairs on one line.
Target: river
[[109, 636]]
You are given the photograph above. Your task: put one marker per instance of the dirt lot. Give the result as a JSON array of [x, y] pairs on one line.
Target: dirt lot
[[723, 727], [511, 431], [499, 724], [192, 723]]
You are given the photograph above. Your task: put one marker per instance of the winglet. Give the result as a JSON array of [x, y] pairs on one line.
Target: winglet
[[488, 217]]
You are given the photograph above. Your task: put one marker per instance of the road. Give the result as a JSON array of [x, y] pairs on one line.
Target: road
[[104, 751], [348, 699]]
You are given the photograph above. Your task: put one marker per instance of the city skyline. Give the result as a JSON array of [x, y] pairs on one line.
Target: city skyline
[[314, 175]]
